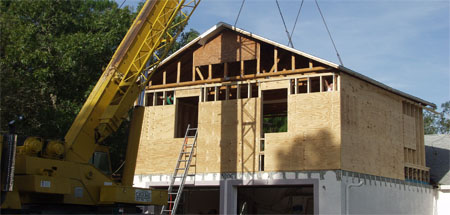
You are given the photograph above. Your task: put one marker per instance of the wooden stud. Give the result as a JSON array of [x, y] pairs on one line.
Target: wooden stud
[[227, 92], [275, 60], [216, 92], [296, 86], [258, 58], [334, 82], [225, 70], [238, 78], [249, 90], [321, 84], [210, 71], [242, 68], [293, 62], [238, 91], [199, 73], [308, 87], [311, 64], [178, 71], [164, 77], [164, 97], [154, 98]]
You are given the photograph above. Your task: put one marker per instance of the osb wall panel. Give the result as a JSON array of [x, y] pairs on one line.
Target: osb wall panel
[[158, 150], [227, 136], [372, 129], [312, 141], [272, 85], [409, 132], [187, 93], [226, 47]]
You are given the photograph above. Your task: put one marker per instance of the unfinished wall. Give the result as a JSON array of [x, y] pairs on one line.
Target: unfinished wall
[[226, 47], [374, 129], [313, 138]]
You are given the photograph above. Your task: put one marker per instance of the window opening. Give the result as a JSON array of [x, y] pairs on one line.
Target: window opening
[[275, 111], [186, 113], [292, 86], [232, 90], [210, 94], [302, 85], [244, 90], [159, 98], [315, 84], [169, 100], [255, 89], [327, 84], [217, 70], [222, 93], [149, 99]]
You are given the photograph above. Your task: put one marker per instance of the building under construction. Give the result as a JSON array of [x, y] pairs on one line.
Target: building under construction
[[280, 131]]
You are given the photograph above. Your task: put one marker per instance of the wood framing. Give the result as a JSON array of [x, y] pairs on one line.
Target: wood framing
[[218, 82]]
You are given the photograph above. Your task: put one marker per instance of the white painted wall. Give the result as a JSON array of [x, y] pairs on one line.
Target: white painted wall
[[376, 195], [442, 200]]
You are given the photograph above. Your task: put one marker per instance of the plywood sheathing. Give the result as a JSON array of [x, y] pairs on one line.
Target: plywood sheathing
[[372, 129], [313, 138], [228, 46]]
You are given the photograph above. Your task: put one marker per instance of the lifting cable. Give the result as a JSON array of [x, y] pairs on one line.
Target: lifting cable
[[329, 34], [296, 19], [284, 23], [242, 5], [122, 4]]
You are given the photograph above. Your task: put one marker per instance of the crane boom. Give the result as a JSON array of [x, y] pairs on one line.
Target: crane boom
[[149, 38]]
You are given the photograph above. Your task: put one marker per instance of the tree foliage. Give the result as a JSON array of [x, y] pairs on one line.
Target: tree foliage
[[51, 55], [438, 123]]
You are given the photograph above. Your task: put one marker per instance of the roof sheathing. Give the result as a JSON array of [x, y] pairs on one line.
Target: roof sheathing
[[203, 38]]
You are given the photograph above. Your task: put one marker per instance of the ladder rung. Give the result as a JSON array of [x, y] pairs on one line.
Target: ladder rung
[[172, 193], [190, 145], [183, 160], [190, 175], [190, 136], [192, 129], [180, 168]]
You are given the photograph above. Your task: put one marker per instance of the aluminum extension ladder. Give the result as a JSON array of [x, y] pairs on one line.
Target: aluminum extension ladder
[[181, 171]]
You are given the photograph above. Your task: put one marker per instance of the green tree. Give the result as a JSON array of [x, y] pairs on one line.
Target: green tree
[[438, 123], [51, 55]]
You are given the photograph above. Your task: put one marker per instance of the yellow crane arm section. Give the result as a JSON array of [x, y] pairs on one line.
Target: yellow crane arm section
[[152, 33]]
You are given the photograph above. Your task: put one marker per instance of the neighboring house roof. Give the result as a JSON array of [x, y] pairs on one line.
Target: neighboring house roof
[[437, 149], [203, 38]]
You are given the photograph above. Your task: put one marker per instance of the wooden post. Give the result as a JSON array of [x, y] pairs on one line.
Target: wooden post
[[258, 58], [225, 70], [215, 93], [249, 90], [242, 69], [238, 91], [296, 86], [164, 97], [311, 64], [178, 71], [164, 77], [334, 83], [227, 92], [210, 71], [321, 84], [154, 98], [293, 63], [275, 60], [308, 87]]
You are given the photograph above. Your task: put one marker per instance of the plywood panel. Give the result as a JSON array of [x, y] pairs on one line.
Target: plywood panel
[[226, 47], [372, 129], [312, 141], [187, 93], [272, 85]]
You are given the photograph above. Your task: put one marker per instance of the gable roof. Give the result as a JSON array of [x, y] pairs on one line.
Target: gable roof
[[213, 31]]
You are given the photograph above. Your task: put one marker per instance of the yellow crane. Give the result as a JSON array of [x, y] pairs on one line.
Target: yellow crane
[[50, 174]]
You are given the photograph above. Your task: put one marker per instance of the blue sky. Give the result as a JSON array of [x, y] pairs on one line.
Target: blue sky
[[401, 43]]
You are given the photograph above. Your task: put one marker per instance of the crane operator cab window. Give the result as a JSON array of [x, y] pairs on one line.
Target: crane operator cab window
[[100, 160]]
